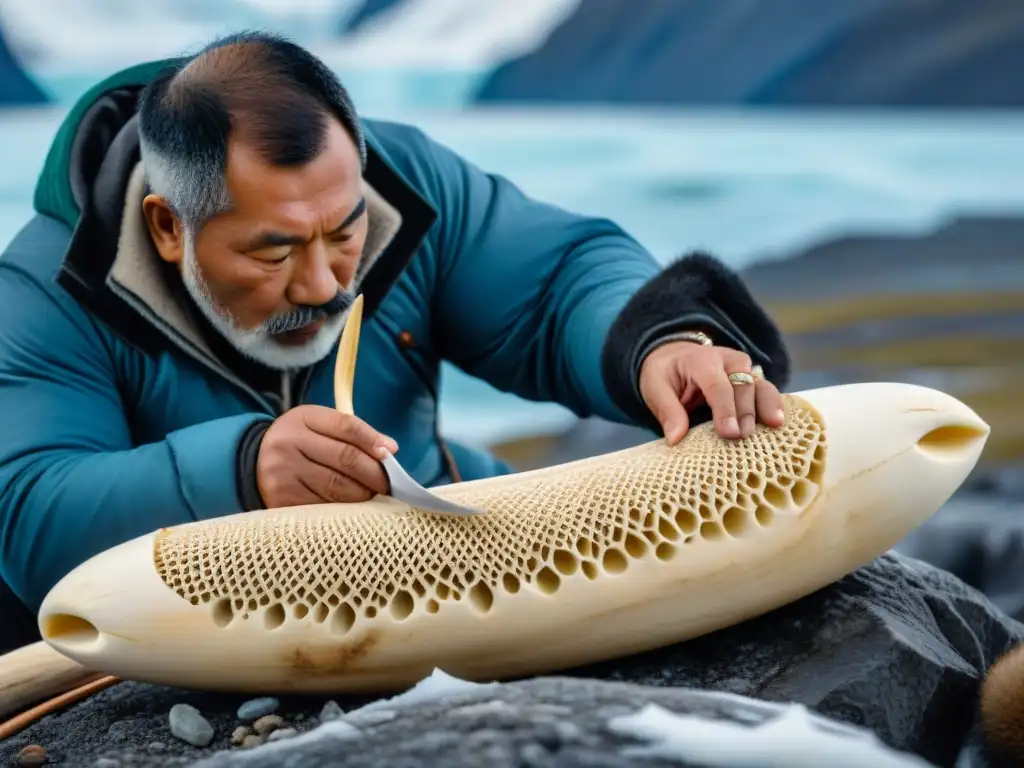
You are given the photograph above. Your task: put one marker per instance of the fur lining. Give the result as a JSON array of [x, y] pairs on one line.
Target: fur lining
[[697, 292], [136, 276]]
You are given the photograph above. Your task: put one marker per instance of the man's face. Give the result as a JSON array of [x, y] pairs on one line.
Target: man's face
[[267, 274]]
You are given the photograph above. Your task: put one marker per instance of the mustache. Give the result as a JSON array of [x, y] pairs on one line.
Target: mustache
[[307, 315]]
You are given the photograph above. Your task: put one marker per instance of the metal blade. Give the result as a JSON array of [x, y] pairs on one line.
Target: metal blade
[[403, 486], [406, 489]]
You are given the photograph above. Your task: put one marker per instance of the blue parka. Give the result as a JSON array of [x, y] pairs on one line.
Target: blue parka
[[119, 415]]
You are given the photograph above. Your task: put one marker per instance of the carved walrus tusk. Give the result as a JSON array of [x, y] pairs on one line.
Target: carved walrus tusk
[[575, 563]]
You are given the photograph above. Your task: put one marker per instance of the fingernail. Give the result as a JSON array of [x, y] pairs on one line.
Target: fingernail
[[780, 415], [731, 425], [748, 425]]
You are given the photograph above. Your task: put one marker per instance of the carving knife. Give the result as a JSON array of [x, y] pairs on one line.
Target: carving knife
[[403, 486]]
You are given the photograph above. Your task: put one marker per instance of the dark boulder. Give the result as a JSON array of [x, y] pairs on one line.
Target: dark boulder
[[980, 540]]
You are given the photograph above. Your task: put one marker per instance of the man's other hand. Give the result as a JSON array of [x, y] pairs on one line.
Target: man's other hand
[[682, 375], [313, 454]]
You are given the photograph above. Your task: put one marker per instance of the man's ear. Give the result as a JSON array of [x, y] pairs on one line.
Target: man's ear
[[164, 228]]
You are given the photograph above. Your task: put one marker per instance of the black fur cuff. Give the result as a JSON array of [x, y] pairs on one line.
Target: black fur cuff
[[248, 451], [695, 293]]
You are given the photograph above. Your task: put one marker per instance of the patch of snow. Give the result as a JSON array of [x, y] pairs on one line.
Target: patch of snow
[[105, 34], [333, 729], [454, 33], [446, 34], [436, 686], [793, 739]]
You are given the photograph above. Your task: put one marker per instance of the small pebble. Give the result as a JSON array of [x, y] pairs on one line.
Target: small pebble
[[157, 746], [33, 754], [238, 735], [254, 709], [106, 762], [331, 711], [267, 724], [252, 740], [190, 726], [299, 718], [282, 733]]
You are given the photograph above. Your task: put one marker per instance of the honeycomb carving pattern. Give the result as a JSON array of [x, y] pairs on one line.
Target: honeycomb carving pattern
[[594, 519]]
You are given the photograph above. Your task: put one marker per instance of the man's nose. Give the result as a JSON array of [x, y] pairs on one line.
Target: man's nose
[[314, 280]]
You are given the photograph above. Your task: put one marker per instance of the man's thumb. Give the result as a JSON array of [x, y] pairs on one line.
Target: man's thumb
[[664, 403]]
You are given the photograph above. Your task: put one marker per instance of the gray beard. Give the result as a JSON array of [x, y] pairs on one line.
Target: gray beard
[[258, 343]]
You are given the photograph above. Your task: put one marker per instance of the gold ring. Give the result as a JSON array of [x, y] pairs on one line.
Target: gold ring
[[757, 372], [741, 378]]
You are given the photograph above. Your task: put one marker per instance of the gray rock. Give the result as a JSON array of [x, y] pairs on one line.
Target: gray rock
[[980, 540], [727, 721], [254, 709], [190, 726], [120, 730], [106, 762], [898, 646]]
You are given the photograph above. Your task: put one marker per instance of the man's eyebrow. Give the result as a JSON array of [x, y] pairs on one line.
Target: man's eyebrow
[[350, 219], [272, 239]]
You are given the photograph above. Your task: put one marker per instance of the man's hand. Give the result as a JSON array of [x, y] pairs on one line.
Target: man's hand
[[313, 454], [682, 375]]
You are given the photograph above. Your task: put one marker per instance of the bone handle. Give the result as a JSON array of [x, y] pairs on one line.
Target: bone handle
[[36, 672], [345, 363]]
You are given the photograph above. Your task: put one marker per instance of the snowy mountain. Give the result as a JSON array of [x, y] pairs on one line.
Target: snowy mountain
[[452, 33], [838, 53], [65, 35], [54, 35]]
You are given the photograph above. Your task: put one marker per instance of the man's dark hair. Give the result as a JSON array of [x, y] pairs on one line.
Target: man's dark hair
[[260, 87]]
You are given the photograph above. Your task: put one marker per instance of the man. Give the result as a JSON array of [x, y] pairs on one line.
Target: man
[[170, 317]]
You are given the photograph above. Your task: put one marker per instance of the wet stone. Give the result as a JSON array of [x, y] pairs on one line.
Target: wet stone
[[254, 709], [268, 724], [190, 726]]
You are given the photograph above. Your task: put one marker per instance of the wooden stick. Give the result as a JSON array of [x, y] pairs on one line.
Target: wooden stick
[[36, 672], [25, 719]]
